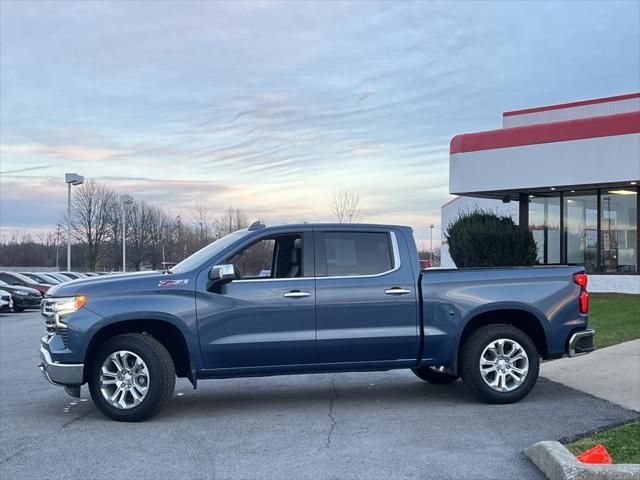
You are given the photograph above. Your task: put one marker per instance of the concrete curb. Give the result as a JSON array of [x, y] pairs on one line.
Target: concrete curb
[[558, 463]]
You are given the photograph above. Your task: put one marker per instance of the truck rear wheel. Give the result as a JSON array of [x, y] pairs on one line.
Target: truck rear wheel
[[434, 375], [132, 377], [499, 363]]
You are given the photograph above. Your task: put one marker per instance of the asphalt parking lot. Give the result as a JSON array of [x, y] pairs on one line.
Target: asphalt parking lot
[[355, 425]]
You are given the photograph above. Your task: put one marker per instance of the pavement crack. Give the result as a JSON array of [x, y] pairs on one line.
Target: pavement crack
[[24, 448], [334, 422], [77, 418], [38, 441]]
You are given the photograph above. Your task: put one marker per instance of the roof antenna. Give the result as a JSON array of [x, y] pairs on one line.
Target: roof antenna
[[256, 226]]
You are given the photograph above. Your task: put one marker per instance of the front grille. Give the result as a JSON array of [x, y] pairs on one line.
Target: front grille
[[64, 334], [49, 323], [49, 328]]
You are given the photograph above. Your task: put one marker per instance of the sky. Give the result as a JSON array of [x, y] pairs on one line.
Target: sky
[[271, 106]]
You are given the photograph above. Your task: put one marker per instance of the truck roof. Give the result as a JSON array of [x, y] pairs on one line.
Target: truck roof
[[257, 226]]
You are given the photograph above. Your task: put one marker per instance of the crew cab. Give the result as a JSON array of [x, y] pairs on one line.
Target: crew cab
[[309, 298]]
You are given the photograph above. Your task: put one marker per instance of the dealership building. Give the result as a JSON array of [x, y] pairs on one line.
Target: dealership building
[[570, 173]]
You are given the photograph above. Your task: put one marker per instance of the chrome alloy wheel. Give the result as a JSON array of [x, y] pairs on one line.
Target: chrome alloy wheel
[[504, 365], [124, 379]]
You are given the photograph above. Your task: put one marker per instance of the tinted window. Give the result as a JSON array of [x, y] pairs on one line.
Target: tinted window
[[255, 261], [274, 257], [8, 278], [18, 277], [357, 253]]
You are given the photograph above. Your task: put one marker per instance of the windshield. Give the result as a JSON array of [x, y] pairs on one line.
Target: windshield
[[207, 252], [22, 278], [48, 279]]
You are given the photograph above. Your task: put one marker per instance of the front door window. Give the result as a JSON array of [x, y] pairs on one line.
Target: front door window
[[277, 257]]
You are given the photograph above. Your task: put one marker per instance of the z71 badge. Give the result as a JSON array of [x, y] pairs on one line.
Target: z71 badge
[[173, 283]]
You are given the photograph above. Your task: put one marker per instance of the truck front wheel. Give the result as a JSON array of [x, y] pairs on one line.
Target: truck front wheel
[[132, 377], [434, 375], [499, 363]]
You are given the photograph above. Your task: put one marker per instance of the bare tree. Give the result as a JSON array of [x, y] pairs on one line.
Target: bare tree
[[153, 234], [206, 228], [345, 206], [230, 221], [90, 216], [138, 233], [113, 250], [157, 222]]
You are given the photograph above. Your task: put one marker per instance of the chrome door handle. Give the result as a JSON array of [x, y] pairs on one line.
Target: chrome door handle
[[397, 291], [296, 294]]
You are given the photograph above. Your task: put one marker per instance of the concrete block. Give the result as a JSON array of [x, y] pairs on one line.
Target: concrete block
[[558, 463]]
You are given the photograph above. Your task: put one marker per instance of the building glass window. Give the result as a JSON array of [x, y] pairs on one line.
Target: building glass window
[[544, 223], [619, 230], [580, 228]]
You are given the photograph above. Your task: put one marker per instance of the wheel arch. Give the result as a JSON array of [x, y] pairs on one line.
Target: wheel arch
[[166, 332], [516, 315]]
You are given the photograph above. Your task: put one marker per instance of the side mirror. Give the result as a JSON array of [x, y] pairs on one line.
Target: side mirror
[[223, 273]]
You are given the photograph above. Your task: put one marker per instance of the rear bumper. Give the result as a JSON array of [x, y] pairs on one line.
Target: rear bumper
[[581, 342], [61, 374]]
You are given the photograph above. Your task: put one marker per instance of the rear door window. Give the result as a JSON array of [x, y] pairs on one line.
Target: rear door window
[[357, 253]]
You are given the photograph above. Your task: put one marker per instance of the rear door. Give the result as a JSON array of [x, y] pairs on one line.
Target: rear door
[[366, 299]]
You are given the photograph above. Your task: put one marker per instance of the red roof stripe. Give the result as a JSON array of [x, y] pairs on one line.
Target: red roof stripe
[[572, 104], [605, 126]]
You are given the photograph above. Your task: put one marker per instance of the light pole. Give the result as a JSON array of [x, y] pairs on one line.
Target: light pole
[[125, 200], [58, 246], [431, 239], [70, 179]]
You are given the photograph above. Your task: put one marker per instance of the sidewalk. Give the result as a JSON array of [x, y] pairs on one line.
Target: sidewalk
[[612, 373]]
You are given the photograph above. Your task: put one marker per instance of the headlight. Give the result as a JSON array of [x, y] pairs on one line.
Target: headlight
[[22, 292], [66, 305]]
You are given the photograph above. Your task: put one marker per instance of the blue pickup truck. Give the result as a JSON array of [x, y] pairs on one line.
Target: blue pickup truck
[[309, 298]]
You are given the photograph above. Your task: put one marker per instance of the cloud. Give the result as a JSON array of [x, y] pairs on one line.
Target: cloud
[[34, 203], [66, 152], [29, 169], [367, 148]]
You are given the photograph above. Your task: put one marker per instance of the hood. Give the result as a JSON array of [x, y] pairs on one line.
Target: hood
[[108, 283]]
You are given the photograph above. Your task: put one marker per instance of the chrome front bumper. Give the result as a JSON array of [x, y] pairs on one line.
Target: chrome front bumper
[[581, 342], [61, 374]]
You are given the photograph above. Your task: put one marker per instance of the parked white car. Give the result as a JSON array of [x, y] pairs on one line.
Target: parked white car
[[6, 302]]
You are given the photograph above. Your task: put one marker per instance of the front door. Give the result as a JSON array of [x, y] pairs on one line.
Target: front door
[[266, 318]]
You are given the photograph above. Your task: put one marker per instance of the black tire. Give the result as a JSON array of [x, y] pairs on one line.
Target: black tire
[[433, 376], [161, 383], [469, 363]]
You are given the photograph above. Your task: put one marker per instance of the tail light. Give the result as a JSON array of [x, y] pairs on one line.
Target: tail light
[[581, 279], [583, 300]]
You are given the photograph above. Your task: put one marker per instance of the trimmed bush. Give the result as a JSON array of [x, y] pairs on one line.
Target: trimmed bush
[[484, 239]]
